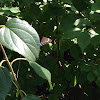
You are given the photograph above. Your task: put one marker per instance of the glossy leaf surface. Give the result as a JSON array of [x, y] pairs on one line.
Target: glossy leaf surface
[[19, 36]]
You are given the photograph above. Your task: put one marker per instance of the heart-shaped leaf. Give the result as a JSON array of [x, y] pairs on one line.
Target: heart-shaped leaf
[[83, 40], [19, 36]]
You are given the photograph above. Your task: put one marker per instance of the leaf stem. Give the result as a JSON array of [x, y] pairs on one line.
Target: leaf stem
[[18, 59], [10, 66], [2, 62]]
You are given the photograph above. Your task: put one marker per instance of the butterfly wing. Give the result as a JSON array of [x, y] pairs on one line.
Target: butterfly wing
[[45, 40]]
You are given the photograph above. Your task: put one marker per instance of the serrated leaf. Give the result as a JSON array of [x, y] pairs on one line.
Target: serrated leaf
[[31, 97], [5, 82], [83, 40], [42, 72], [19, 36]]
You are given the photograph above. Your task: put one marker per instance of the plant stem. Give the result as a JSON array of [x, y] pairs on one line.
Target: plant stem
[[18, 59], [10, 66], [57, 32]]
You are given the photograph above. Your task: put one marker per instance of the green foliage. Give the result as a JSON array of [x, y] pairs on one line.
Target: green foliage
[[29, 42], [31, 97], [5, 82], [71, 63], [83, 40], [44, 73]]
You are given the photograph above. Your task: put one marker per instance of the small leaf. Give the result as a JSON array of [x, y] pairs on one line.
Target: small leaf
[[91, 76], [83, 40], [19, 36], [5, 82], [42, 72], [67, 22], [31, 97], [14, 10]]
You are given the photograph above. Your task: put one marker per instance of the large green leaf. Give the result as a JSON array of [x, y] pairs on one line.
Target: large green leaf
[[19, 36], [5, 82], [42, 72], [31, 97], [83, 40], [67, 22]]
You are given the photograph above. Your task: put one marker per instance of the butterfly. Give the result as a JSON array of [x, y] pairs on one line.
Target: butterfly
[[45, 40]]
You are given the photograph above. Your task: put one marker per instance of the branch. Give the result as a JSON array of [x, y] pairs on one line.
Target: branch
[[10, 66]]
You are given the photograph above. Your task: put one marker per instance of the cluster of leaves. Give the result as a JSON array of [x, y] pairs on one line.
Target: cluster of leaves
[[73, 56]]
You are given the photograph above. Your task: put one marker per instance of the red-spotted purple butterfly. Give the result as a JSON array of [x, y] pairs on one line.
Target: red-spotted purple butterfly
[[45, 40]]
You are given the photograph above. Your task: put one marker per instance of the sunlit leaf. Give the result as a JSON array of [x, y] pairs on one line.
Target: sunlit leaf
[[98, 82], [19, 36], [42, 72], [82, 22], [14, 10]]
